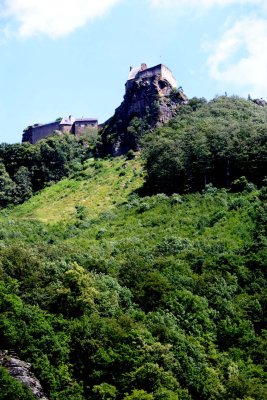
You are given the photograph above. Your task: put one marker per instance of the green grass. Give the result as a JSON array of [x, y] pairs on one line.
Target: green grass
[[111, 216], [100, 187], [110, 230], [114, 219]]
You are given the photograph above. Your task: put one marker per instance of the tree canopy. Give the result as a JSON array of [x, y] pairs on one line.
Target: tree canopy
[[208, 143]]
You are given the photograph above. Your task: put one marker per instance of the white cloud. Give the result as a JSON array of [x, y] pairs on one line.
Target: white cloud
[[54, 18], [239, 56], [246, 42], [203, 3]]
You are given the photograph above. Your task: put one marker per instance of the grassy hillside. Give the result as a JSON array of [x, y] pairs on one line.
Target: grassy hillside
[[101, 186], [111, 294], [114, 296]]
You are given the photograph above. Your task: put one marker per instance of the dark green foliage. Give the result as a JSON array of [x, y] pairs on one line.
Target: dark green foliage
[[139, 395], [26, 168], [11, 389], [208, 143], [23, 190], [177, 312], [158, 298], [7, 187], [125, 136]]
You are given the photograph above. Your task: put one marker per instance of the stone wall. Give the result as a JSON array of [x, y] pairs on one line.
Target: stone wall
[[37, 132], [150, 72], [159, 71], [85, 127], [65, 128], [167, 74], [42, 131]]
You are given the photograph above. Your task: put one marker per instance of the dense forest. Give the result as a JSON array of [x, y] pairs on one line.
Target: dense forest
[[208, 143], [140, 277]]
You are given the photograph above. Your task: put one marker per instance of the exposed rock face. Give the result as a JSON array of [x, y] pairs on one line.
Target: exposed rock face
[[149, 94], [20, 370], [260, 102], [151, 97]]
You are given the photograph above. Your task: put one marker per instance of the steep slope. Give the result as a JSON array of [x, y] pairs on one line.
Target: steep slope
[[101, 186], [159, 297], [112, 295]]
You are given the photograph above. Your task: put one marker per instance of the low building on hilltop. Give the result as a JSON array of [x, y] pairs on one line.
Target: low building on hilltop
[[68, 125]]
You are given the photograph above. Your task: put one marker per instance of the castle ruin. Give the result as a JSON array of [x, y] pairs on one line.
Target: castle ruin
[[143, 72], [75, 126], [151, 99]]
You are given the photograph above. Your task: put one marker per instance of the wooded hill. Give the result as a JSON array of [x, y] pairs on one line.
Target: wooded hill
[[143, 276]]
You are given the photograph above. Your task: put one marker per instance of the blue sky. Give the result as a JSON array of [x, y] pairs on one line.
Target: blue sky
[[62, 57]]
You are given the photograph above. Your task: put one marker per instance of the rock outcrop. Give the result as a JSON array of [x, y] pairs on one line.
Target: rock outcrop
[[151, 99], [21, 371], [260, 102]]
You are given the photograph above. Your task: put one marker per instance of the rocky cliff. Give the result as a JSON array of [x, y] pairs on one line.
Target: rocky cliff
[[150, 100], [21, 371]]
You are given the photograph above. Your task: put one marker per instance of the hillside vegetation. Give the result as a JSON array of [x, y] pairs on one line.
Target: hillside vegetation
[[215, 142], [25, 169], [113, 294], [99, 186]]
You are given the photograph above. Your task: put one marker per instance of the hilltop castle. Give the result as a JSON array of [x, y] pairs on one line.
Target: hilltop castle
[[143, 72], [76, 126], [146, 86], [151, 98]]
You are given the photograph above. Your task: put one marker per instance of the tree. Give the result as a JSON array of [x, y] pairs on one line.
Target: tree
[[7, 187], [11, 389], [104, 391], [217, 143], [23, 189], [139, 395]]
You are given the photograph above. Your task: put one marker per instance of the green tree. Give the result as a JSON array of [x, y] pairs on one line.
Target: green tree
[[7, 187], [104, 391], [23, 189], [11, 389], [139, 395]]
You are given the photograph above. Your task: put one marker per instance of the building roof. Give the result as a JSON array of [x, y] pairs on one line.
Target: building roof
[[41, 125], [134, 71], [86, 120], [67, 121]]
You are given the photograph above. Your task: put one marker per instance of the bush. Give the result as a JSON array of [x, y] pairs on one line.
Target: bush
[[139, 395], [11, 389]]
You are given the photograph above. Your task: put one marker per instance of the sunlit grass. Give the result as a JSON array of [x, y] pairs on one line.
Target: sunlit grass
[[100, 187]]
